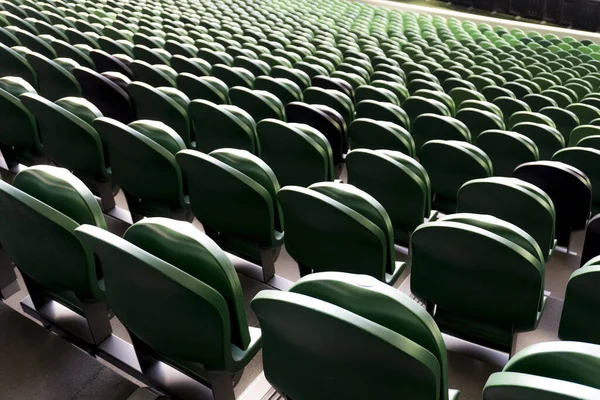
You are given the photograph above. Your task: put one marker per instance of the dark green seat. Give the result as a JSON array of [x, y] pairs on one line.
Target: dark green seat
[[366, 133], [142, 161], [564, 120], [218, 126], [584, 112], [40, 213], [507, 150], [208, 337], [165, 104], [71, 141], [581, 132], [478, 120], [428, 127], [298, 153], [259, 104], [547, 139], [15, 64], [461, 94], [450, 164], [335, 99], [509, 106], [403, 337], [386, 173], [529, 116], [538, 101], [338, 227], [514, 201], [415, 106], [382, 111], [192, 65], [54, 81], [556, 370], [285, 89], [458, 250], [206, 88], [153, 74], [586, 160], [217, 182], [233, 76]]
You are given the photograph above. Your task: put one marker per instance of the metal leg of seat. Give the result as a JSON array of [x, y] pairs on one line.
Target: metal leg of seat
[[222, 386], [8, 278], [96, 314], [107, 200], [267, 262], [37, 296]]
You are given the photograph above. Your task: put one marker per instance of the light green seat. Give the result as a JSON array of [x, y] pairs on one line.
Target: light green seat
[[507, 150], [176, 258], [338, 227], [405, 336], [216, 182]]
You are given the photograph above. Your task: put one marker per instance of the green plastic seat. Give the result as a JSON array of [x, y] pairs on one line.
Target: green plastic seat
[[258, 103], [285, 89], [482, 105], [582, 132], [154, 75], [151, 55], [510, 105], [165, 104], [515, 201], [54, 81], [385, 173], [366, 133], [167, 255], [564, 120], [15, 64], [507, 150], [218, 126], [529, 116], [253, 228], [142, 160], [460, 94], [206, 88], [298, 153], [406, 337], [456, 250], [557, 370], [35, 43], [297, 76], [468, 162], [547, 139], [233, 76], [586, 160], [417, 105], [40, 213], [428, 127], [363, 229], [478, 120], [584, 112], [335, 99], [192, 65], [538, 101], [71, 141], [368, 92], [383, 111]]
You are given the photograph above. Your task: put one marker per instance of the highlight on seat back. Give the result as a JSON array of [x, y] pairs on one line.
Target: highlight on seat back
[[451, 163], [486, 257], [142, 160], [338, 227], [507, 150], [558, 370], [428, 127], [206, 88], [39, 214], [195, 277], [585, 160], [298, 153], [334, 305], [233, 193], [366, 133], [569, 189], [547, 139], [53, 80], [165, 104], [335, 99], [515, 201], [398, 182], [259, 104]]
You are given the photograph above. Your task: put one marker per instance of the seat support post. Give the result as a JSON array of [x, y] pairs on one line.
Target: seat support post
[[267, 262], [8, 278], [96, 314], [107, 200], [222, 386]]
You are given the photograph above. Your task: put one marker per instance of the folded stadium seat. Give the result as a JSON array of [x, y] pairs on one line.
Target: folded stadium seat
[[233, 76], [584, 112], [184, 49], [78, 53], [366, 133], [53, 79], [510, 106], [70, 140], [529, 116], [216, 182], [327, 121], [335, 99], [35, 43], [15, 64], [259, 104], [382, 111], [586, 160], [408, 335], [591, 244], [105, 62], [220, 126], [105, 93], [442, 97], [152, 250], [482, 105], [428, 127], [468, 162], [44, 207], [299, 77], [514, 201], [151, 55], [507, 150], [298, 153], [19, 138], [142, 159], [592, 141], [86, 37], [569, 189], [565, 121], [386, 173], [460, 94], [582, 132], [538, 101], [206, 88], [112, 46], [286, 90], [327, 82], [369, 92], [478, 120], [547, 139], [557, 370], [344, 217], [255, 66], [154, 75], [456, 249], [165, 104], [415, 106], [192, 65]]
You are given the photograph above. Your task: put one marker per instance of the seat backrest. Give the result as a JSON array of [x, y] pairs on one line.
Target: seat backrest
[[298, 153], [479, 121], [459, 252], [201, 330], [366, 133], [19, 127], [259, 104], [547, 139], [514, 201], [400, 314], [384, 174], [142, 158], [586, 160], [15, 64], [428, 127], [591, 245], [507, 150], [206, 88], [517, 386], [39, 214], [54, 81], [216, 182], [67, 133]]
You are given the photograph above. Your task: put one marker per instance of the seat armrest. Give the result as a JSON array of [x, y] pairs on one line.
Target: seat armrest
[[399, 267], [241, 357]]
